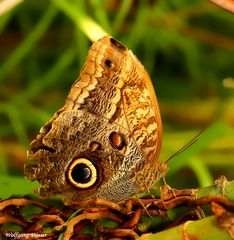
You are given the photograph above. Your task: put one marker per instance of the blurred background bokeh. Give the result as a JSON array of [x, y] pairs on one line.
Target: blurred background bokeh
[[186, 46]]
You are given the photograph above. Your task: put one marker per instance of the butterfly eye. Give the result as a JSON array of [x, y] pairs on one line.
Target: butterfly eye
[[109, 63], [82, 173], [117, 141]]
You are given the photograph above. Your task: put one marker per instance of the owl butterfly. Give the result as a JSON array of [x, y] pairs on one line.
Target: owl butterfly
[[105, 141]]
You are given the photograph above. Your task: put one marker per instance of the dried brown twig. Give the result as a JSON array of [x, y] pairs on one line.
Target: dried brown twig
[[127, 219]]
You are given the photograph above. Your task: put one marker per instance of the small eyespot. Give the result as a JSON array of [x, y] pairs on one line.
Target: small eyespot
[[82, 173], [117, 141], [117, 44], [109, 63], [95, 146]]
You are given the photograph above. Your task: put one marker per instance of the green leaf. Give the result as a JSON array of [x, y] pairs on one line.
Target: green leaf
[[31, 39], [74, 214], [194, 229], [214, 132], [107, 223], [11, 227], [3, 162], [19, 186], [29, 211], [201, 171], [86, 24]]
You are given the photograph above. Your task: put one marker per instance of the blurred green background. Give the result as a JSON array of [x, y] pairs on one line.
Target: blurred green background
[[186, 46]]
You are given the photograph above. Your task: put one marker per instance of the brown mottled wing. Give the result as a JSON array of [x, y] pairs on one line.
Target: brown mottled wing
[[126, 98], [112, 105], [143, 116], [124, 95]]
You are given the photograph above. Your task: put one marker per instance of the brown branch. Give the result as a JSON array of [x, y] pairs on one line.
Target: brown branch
[[120, 232], [20, 202], [6, 219], [160, 212], [50, 218], [99, 202], [85, 216]]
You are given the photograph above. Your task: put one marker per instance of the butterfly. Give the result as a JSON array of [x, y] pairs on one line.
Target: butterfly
[[105, 142]]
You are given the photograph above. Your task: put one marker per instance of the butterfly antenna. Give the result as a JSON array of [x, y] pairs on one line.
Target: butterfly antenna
[[187, 145]]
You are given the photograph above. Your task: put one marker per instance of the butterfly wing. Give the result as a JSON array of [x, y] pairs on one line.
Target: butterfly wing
[[108, 130]]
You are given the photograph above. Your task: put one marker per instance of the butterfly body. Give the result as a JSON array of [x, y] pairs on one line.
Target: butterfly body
[[108, 134]]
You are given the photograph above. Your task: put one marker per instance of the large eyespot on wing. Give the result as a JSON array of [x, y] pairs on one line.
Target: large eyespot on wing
[[82, 173]]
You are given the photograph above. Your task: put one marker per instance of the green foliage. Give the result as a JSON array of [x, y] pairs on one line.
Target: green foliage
[[201, 142], [149, 223], [11, 227], [29, 211], [195, 229], [107, 223], [17, 186], [185, 45]]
